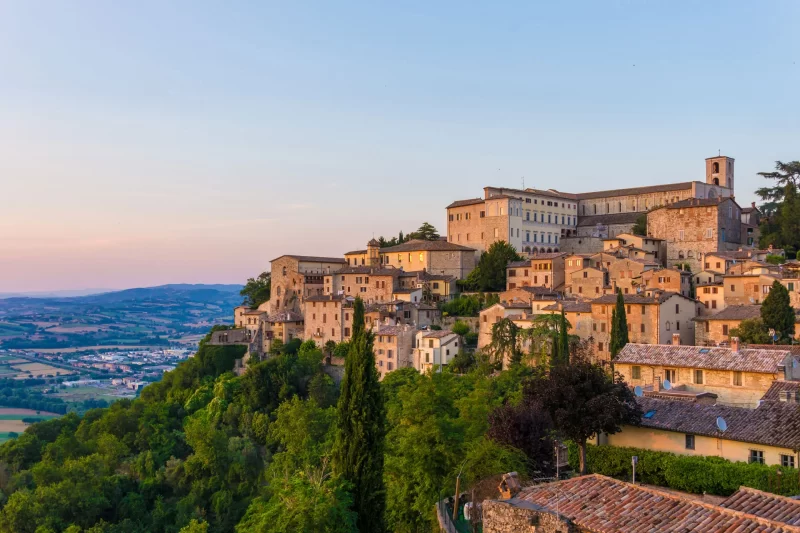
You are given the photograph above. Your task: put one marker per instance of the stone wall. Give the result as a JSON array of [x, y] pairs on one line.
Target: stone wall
[[327, 321], [523, 517], [465, 226]]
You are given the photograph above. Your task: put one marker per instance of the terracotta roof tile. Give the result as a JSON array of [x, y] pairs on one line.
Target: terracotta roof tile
[[462, 203], [416, 245], [313, 259], [765, 505], [734, 312], [598, 504], [778, 390], [745, 360], [438, 334], [636, 190]]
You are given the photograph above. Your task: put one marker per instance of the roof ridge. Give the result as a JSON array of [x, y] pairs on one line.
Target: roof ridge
[[752, 490], [713, 507]]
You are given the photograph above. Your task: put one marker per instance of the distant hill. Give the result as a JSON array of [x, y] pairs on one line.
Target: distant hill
[[52, 294], [143, 316]]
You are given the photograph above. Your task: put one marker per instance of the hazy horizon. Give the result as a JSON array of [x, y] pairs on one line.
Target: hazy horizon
[[192, 142]]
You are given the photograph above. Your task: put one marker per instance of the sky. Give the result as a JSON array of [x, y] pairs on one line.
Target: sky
[[156, 142]]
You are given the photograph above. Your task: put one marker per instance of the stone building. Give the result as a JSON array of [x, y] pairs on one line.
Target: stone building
[[295, 277], [372, 284], [738, 376], [435, 257], [651, 320], [435, 348], [711, 296], [626, 274], [328, 317], [590, 282], [747, 289], [668, 279], [491, 315], [393, 348], [531, 220], [542, 270], [695, 228], [577, 313]]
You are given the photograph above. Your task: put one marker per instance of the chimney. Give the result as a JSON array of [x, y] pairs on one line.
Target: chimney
[[735, 344], [676, 339]]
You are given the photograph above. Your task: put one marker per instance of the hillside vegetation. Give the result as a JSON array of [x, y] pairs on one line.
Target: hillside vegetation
[[204, 450]]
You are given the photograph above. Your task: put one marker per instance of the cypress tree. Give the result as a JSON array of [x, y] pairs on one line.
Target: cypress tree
[[359, 444], [619, 327], [777, 312], [563, 339]]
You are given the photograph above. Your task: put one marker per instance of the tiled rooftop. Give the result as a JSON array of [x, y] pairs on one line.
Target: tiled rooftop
[[765, 505], [745, 360], [637, 298], [636, 190], [599, 504], [285, 316], [438, 334], [734, 312], [570, 306], [462, 203], [417, 245], [313, 259], [779, 388], [770, 424], [391, 331], [368, 270]]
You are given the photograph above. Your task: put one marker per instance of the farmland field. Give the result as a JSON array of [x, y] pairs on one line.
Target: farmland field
[[39, 369], [11, 420]]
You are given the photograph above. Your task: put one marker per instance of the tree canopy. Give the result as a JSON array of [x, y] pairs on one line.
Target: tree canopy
[[777, 312], [780, 225], [425, 232], [619, 326], [490, 274], [257, 290]]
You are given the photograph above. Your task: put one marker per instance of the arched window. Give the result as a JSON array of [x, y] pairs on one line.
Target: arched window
[[278, 290], [690, 254], [680, 254], [549, 250], [716, 181], [556, 250], [669, 325], [715, 168], [284, 271]]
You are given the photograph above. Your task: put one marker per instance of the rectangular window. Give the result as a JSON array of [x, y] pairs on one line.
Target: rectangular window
[[642, 328], [757, 456], [725, 329], [680, 234], [669, 375], [737, 378], [599, 346], [636, 372], [787, 461], [690, 442], [603, 327], [698, 377]]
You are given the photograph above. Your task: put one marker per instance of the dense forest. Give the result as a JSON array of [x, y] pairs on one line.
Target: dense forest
[[205, 450]]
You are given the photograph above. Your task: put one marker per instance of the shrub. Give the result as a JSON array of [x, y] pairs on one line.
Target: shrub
[[689, 473]]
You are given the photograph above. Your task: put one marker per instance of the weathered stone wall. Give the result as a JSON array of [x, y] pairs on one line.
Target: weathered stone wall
[[588, 283], [326, 321], [638, 315], [452, 263], [523, 517], [627, 274], [465, 226], [712, 298], [581, 245], [372, 288]]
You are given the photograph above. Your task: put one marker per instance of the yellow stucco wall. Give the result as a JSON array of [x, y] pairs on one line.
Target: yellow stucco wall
[[670, 441]]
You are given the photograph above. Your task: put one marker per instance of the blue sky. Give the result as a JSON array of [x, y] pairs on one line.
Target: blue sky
[[154, 142]]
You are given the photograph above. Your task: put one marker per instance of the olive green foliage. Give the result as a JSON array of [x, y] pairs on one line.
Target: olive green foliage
[[342, 349], [752, 331], [490, 274], [777, 312], [257, 290], [469, 305], [361, 422], [694, 474], [504, 345], [196, 446], [460, 328], [437, 423], [425, 232], [774, 259], [619, 326], [780, 225]]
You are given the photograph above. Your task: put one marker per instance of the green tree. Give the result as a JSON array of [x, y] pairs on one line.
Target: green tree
[[504, 346], [784, 174], [774, 259], [619, 326], [790, 217], [490, 274], [563, 340], [425, 232], [752, 331], [640, 226], [777, 312], [583, 400], [358, 451], [460, 328], [257, 290]]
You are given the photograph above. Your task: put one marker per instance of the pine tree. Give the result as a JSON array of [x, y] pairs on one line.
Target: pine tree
[[619, 326], [790, 217], [777, 312], [358, 449]]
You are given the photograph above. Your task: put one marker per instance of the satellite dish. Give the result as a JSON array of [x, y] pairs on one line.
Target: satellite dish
[[667, 384], [752, 300], [721, 424], [638, 391]]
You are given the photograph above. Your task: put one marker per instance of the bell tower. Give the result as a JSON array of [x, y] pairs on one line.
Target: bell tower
[[719, 171], [374, 252]]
